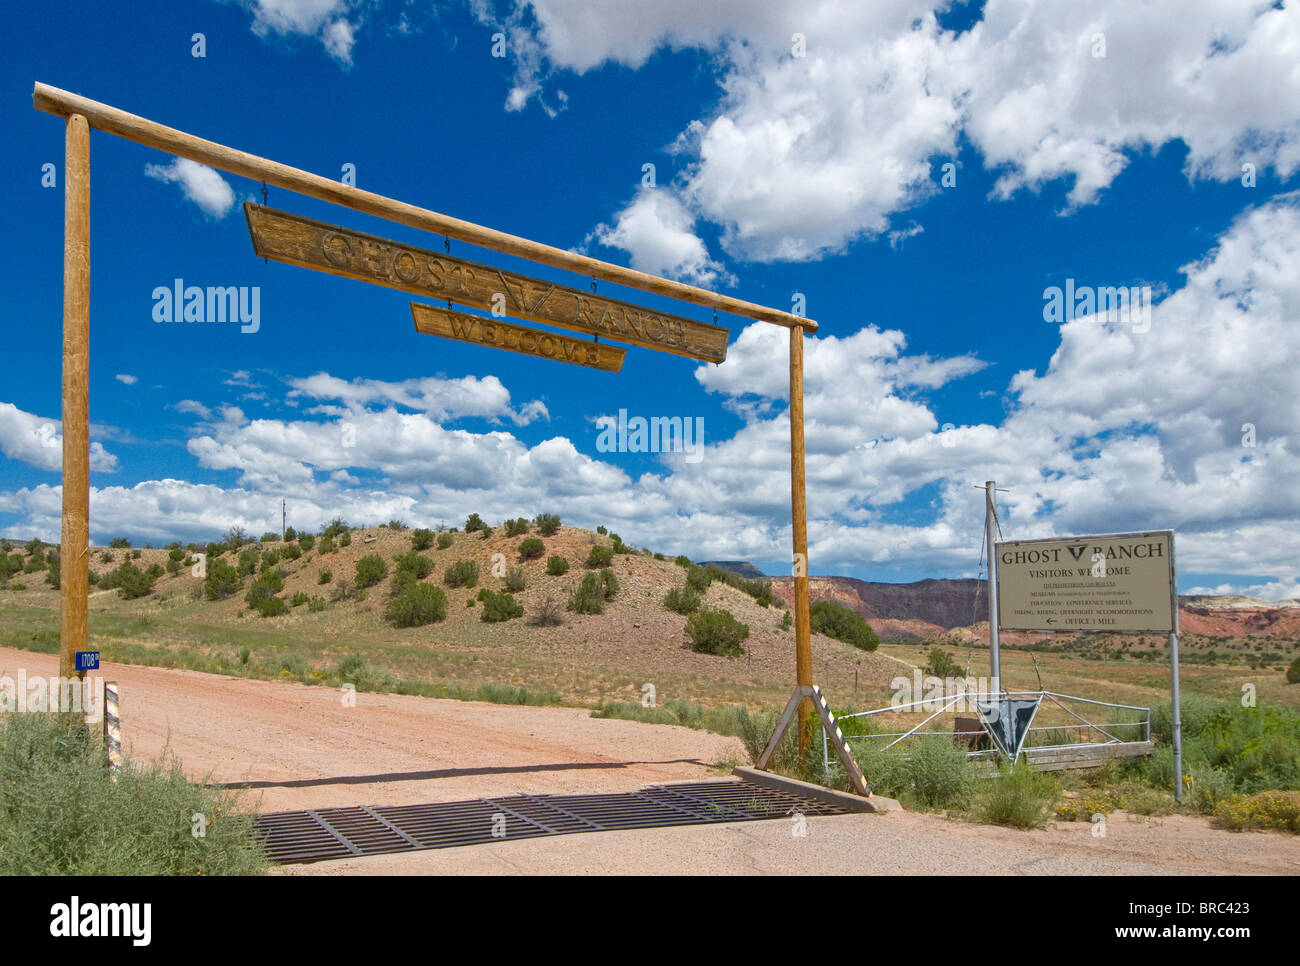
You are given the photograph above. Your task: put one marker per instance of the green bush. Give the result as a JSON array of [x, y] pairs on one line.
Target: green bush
[[421, 539], [683, 601], [444, 541], [939, 773], [248, 561], [588, 597], [531, 548], [117, 543], [345, 539], [1228, 747], [716, 632], [327, 545], [463, 573], [132, 582], [548, 524], [307, 541], [335, 528], [682, 560], [412, 566], [300, 598], [837, 621], [499, 607], [271, 607], [263, 589], [294, 665], [698, 578], [609, 583], [474, 522], [941, 664], [370, 570], [9, 566], [515, 579], [759, 589], [290, 551], [600, 557], [508, 694], [417, 605], [1259, 747], [1293, 672], [1206, 787], [557, 566], [62, 815], [222, 581], [325, 576], [1020, 797], [516, 528]]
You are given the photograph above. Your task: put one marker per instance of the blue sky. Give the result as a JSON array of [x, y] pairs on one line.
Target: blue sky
[[798, 148]]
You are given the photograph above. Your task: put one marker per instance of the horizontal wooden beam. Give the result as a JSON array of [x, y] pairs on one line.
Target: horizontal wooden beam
[[1048, 758], [103, 117], [499, 334]]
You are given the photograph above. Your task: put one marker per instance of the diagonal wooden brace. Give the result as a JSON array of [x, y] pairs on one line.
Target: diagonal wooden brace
[[833, 733]]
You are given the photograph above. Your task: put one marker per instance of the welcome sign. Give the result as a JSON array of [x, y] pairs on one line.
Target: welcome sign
[[1120, 582]]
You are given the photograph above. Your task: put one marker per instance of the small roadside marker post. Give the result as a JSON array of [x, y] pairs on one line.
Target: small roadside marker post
[[112, 729]]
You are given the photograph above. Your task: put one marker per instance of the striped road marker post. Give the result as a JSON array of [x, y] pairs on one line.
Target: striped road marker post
[[112, 729]]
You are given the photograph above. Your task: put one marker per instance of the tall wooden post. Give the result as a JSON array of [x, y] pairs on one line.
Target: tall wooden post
[[73, 563], [799, 520]]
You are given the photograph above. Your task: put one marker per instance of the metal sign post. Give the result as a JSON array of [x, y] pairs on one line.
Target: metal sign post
[[1175, 700], [990, 534]]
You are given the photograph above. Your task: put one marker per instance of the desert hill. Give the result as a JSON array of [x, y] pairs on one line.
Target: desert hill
[[587, 657]]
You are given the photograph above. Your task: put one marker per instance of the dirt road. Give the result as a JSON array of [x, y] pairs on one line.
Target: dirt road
[[301, 747]]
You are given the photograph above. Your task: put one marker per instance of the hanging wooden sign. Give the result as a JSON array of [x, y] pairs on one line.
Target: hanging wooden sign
[[432, 320], [327, 248]]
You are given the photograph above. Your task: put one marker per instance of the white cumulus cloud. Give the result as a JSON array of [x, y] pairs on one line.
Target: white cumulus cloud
[[199, 183], [657, 231], [38, 442]]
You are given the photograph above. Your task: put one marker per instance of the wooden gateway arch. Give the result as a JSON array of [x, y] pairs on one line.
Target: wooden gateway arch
[[291, 239]]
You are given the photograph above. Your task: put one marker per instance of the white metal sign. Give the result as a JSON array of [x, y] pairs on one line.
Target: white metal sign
[[1120, 582]]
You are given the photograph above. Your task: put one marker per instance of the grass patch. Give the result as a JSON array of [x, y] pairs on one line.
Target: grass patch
[[60, 814]]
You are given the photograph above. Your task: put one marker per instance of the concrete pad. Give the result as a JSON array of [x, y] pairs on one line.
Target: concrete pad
[[818, 793]]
